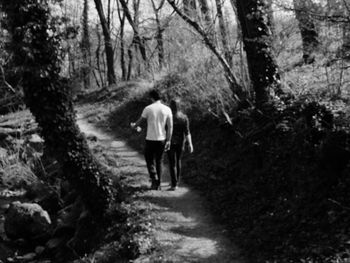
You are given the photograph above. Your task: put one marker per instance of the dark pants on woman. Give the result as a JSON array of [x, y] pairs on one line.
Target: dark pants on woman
[[154, 159], [174, 155]]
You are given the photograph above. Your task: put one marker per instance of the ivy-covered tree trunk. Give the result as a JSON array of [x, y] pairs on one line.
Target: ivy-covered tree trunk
[[108, 43], [308, 31], [35, 49], [263, 70]]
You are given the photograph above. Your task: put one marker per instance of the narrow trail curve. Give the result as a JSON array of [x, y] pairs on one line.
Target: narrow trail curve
[[184, 229]]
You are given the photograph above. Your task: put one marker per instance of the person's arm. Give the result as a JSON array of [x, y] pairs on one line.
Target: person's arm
[[169, 132], [143, 118], [138, 122], [188, 136], [189, 141]]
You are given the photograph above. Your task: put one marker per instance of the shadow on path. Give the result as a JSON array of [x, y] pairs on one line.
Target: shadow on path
[[183, 227]]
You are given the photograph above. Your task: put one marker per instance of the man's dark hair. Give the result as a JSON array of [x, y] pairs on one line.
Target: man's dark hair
[[154, 94]]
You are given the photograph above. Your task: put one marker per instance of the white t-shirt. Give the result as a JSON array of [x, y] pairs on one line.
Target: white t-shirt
[[156, 115]]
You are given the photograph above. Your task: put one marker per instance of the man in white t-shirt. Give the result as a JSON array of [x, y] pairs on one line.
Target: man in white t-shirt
[[159, 131]]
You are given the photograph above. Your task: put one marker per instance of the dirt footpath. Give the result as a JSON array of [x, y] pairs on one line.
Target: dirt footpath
[[183, 227]]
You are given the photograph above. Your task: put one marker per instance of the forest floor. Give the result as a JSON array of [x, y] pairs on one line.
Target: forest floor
[[182, 225]]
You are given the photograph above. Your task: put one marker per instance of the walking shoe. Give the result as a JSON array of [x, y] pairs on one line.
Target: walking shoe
[[156, 185], [173, 188]]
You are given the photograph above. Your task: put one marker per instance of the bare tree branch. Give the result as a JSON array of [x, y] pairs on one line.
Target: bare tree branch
[[231, 77], [5, 82], [137, 38]]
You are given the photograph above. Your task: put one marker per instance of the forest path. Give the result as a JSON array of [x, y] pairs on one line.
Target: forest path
[[183, 227]]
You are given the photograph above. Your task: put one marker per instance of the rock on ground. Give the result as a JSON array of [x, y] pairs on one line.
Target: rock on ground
[[27, 221]]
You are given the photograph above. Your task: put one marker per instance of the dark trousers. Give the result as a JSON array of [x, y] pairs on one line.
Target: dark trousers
[[154, 159], [174, 156]]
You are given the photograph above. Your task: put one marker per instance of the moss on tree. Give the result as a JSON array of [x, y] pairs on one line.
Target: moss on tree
[[35, 47]]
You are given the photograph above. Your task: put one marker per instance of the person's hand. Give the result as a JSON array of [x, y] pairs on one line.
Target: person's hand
[[133, 126], [190, 148], [167, 146]]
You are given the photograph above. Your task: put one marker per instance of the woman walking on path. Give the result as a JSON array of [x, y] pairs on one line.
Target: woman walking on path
[[181, 135]]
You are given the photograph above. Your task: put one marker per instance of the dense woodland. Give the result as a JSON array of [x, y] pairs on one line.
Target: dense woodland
[[265, 84]]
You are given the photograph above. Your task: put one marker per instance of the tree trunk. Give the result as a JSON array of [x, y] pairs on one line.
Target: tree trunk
[[223, 32], [48, 98], [243, 65], [257, 42], [122, 48], [122, 44], [86, 46], [131, 59], [271, 23], [139, 40], [108, 43], [134, 24], [159, 34], [308, 31], [160, 47], [98, 59], [109, 14], [271, 19]]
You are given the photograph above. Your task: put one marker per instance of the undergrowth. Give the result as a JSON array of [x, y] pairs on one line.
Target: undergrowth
[[278, 179], [127, 232], [28, 175]]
